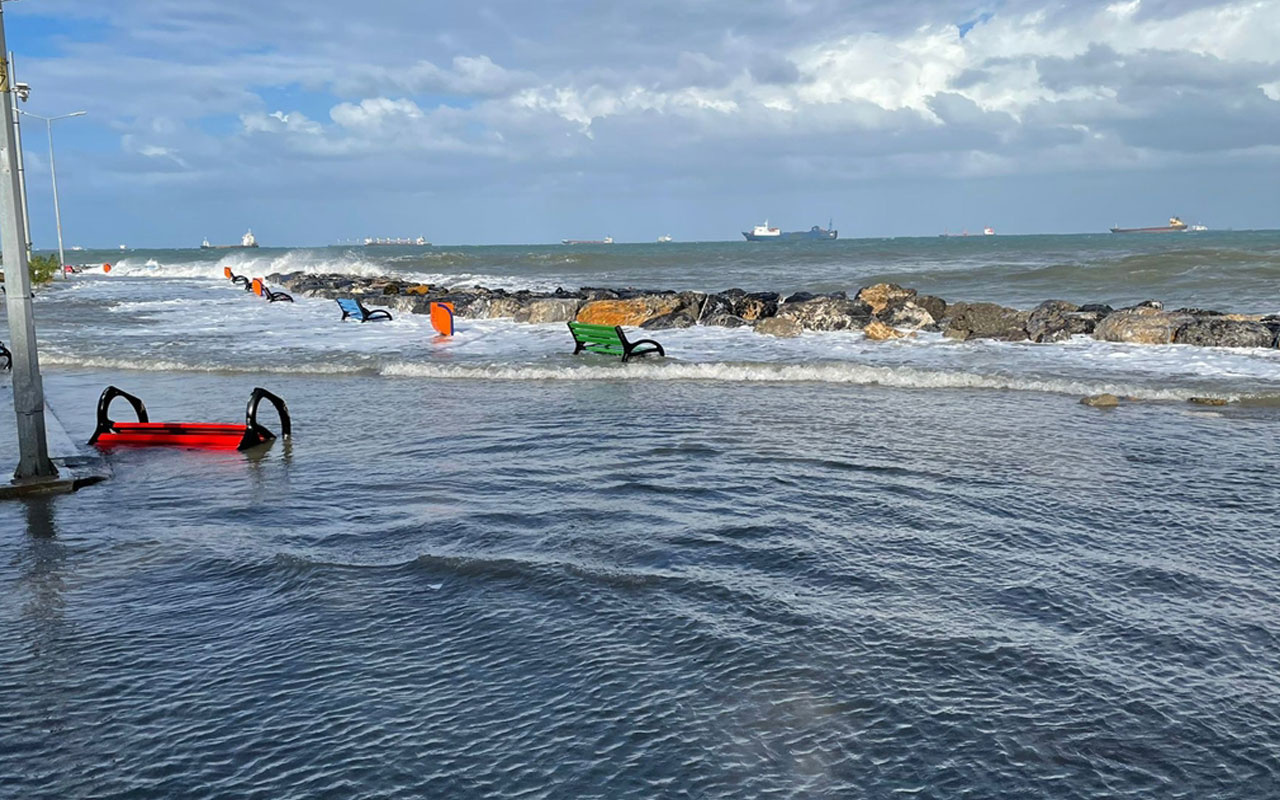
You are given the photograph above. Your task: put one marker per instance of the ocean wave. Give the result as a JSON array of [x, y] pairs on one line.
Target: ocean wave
[[856, 374], [170, 365]]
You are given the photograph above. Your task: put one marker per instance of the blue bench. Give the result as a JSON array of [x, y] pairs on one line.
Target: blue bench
[[353, 308]]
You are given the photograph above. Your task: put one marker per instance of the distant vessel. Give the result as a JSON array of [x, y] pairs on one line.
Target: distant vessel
[[1197, 228], [988, 231], [1175, 226], [764, 233], [247, 240], [605, 240], [400, 242], [664, 239]]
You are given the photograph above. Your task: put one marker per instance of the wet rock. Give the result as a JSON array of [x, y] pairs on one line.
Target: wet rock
[[1048, 322], [986, 321], [910, 316], [680, 318], [419, 289], [936, 306], [1155, 305], [883, 296], [1145, 325], [800, 297], [590, 293], [633, 312], [504, 307], [1101, 400], [1096, 308], [756, 305], [1198, 312], [468, 305], [715, 305], [1219, 332], [783, 327], [877, 331], [726, 321], [828, 314], [1208, 401], [549, 309]]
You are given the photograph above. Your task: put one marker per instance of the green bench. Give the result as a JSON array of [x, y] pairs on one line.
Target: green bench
[[609, 340]]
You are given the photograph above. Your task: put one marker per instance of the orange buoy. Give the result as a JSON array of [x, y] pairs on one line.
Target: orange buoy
[[106, 267], [442, 318]]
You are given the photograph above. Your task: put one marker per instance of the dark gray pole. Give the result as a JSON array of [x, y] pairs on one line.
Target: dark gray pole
[[28, 393]]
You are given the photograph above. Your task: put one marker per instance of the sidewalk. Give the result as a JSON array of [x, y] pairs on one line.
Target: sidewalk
[[77, 467]]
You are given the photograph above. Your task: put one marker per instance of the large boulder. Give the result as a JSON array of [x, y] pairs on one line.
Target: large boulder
[[828, 314], [1140, 325], [884, 295], [726, 321], [633, 312], [680, 318], [1048, 322], [1219, 332], [504, 307], [549, 309], [783, 327], [756, 305], [986, 321], [909, 315], [936, 306], [713, 306]]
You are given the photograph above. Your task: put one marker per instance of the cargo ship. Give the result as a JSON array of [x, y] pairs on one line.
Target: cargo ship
[[605, 240], [1175, 226], [764, 233], [421, 241], [246, 241]]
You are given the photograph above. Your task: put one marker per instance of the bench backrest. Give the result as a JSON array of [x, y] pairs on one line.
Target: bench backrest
[[350, 306], [598, 338]]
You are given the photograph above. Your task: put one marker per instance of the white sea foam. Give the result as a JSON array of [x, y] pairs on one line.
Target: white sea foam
[[862, 375]]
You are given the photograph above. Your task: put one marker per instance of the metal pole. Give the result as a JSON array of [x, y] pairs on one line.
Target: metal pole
[[22, 170], [57, 213], [28, 393]]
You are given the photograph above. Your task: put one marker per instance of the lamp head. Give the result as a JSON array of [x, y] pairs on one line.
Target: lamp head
[[23, 91]]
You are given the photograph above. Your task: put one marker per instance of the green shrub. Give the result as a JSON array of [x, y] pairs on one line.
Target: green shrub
[[43, 268]]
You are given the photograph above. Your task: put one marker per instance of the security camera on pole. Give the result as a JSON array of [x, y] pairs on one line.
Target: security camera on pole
[[28, 392]]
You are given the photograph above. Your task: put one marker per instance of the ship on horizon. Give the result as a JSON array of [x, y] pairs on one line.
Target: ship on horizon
[[1175, 226], [246, 241], [605, 240], [764, 233]]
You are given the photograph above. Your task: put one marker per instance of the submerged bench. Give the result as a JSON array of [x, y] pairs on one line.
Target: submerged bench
[[353, 308], [239, 280], [7, 356], [197, 435], [261, 289], [609, 340]]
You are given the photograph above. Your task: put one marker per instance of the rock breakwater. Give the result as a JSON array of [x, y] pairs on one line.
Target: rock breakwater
[[887, 310]]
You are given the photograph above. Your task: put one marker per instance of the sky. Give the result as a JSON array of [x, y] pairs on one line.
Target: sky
[[497, 121]]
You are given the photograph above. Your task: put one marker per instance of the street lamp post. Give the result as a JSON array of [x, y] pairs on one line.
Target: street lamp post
[[57, 212]]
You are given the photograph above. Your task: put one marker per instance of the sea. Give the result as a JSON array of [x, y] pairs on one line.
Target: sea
[[758, 568]]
